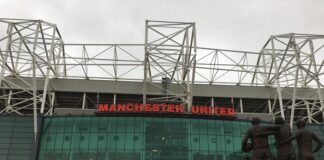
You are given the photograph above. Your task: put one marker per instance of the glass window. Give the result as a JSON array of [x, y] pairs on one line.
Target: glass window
[[67, 140], [244, 127], [219, 127], [121, 124], [119, 139], [93, 140], [58, 141], [69, 124], [237, 143], [102, 141], [228, 130], [236, 128], [138, 141], [93, 124], [50, 125], [203, 126], [220, 143], [113, 123], [143, 138], [195, 141], [203, 143], [76, 140], [229, 144], [195, 126], [211, 126], [129, 141], [212, 143], [47, 141]]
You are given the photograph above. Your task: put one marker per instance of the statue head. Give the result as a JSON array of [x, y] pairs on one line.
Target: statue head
[[300, 124], [279, 121], [255, 121]]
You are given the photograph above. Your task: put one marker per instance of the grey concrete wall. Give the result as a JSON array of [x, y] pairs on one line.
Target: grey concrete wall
[[203, 90]]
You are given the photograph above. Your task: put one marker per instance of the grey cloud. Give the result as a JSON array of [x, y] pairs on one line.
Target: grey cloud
[[229, 24]]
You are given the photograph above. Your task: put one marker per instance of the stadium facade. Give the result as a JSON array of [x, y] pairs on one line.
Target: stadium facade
[[166, 99]]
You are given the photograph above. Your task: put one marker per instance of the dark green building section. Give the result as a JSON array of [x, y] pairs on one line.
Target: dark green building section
[[144, 138], [16, 138]]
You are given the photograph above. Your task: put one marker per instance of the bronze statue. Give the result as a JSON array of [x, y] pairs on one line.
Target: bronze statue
[[304, 141], [259, 140], [284, 151]]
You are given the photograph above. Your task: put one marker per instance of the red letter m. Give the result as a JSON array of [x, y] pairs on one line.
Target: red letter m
[[103, 107]]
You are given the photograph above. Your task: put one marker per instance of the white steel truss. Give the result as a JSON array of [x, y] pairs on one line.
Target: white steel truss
[[291, 62], [170, 56], [31, 50]]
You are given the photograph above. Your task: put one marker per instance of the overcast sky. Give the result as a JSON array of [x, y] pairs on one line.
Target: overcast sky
[[226, 24]]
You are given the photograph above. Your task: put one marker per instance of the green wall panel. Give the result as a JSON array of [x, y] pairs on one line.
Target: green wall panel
[[145, 138], [16, 138]]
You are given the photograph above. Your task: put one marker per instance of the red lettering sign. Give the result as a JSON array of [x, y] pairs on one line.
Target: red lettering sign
[[166, 108], [103, 107], [129, 107]]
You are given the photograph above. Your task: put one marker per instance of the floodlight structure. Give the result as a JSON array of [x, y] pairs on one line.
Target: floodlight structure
[[30, 49], [33, 48], [170, 57], [291, 63]]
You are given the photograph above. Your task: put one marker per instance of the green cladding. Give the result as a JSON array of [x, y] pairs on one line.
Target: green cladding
[[143, 138], [16, 138]]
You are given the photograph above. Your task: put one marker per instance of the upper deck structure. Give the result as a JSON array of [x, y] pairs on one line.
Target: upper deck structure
[[41, 74]]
